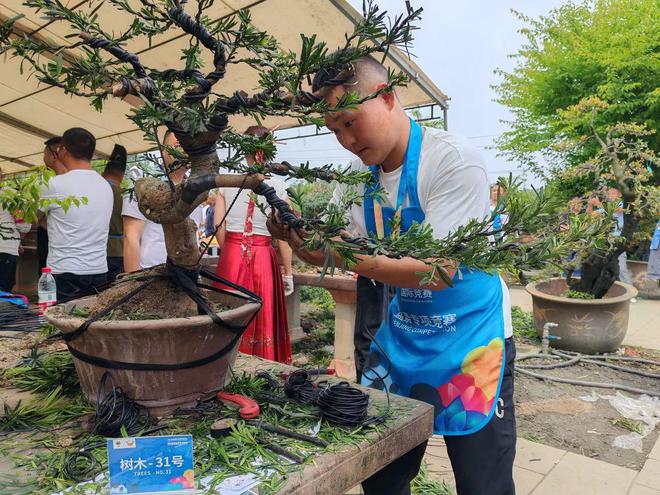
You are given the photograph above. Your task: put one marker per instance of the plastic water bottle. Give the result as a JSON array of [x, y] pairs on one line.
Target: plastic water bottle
[[46, 290]]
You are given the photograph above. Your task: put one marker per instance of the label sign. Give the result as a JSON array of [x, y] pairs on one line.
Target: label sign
[[151, 465]]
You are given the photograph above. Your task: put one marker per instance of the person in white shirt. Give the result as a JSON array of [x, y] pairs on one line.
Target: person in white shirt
[[144, 240], [451, 347], [52, 162], [11, 229], [77, 237]]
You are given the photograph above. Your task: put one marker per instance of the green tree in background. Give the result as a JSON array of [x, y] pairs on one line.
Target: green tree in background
[[602, 48]]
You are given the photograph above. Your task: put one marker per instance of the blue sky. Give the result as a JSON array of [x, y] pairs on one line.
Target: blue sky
[[458, 46]]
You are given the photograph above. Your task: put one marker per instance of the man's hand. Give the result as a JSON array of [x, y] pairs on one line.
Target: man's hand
[[294, 238]]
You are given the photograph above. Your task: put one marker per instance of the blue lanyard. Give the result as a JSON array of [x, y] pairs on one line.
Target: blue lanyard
[[408, 172]]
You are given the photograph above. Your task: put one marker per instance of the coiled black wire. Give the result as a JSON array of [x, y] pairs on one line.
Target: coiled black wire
[[80, 466], [115, 410], [273, 383], [343, 405], [299, 386]]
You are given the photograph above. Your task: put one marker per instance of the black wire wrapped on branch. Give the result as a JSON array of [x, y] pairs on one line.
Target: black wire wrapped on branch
[[286, 213], [199, 31], [239, 100], [203, 86], [118, 52]]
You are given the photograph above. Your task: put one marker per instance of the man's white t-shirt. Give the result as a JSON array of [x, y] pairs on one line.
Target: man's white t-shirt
[[452, 185], [235, 220], [78, 238], [152, 243]]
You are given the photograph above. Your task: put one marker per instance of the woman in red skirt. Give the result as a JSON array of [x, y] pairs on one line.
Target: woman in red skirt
[[247, 258]]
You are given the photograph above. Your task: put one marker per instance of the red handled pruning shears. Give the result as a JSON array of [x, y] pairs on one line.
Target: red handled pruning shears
[[249, 409]]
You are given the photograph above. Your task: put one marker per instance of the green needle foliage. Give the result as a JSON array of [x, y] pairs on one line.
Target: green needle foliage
[[424, 485], [43, 372], [46, 412], [41, 457]]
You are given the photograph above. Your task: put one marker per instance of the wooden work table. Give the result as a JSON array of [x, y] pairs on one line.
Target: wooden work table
[[334, 473]]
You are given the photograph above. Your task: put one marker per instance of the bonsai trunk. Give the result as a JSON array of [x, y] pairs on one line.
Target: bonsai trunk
[[598, 274], [160, 204], [600, 271]]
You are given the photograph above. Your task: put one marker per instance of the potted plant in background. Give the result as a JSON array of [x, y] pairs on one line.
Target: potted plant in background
[[582, 99], [592, 309]]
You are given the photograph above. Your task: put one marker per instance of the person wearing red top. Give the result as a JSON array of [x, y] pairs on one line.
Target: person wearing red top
[[247, 258]]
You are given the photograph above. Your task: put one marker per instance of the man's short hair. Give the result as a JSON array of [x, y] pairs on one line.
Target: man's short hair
[[117, 161], [353, 76], [53, 142], [80, 143]]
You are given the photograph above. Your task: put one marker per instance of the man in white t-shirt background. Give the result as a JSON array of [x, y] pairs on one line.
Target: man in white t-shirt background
[[144, 240], [77, 237]]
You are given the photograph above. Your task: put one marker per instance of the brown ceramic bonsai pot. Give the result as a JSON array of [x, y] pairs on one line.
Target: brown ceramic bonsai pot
[[584, 325], [173, 341]]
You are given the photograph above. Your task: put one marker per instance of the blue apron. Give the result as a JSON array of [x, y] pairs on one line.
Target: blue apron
[[444, 347]]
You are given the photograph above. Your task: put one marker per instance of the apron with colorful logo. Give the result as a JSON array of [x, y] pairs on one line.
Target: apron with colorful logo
[[443, 347]]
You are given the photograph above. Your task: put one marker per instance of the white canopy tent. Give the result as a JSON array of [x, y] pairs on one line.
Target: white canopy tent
[[31, 112]]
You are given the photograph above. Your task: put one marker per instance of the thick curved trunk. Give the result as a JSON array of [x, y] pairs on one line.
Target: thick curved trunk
[[181, 243], [171, 209], [599, 272]]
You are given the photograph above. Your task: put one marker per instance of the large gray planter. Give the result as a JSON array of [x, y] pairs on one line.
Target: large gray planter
[[587, 326]]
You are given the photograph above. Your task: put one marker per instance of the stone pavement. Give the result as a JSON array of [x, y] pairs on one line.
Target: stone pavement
[[643, 325], [543, 470]]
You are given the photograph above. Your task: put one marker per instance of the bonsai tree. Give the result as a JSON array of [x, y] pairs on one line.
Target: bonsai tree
[[190, 103], [623, 163]]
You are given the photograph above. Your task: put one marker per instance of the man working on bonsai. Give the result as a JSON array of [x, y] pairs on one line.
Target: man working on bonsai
[[450, 347]]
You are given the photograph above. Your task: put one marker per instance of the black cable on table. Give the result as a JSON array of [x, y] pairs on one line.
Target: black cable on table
[[343, 405], [299, 386], [80, 466]]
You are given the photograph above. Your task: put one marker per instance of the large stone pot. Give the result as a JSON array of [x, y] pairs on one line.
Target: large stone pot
[[647, 288], [167, 341], [587, 326]]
